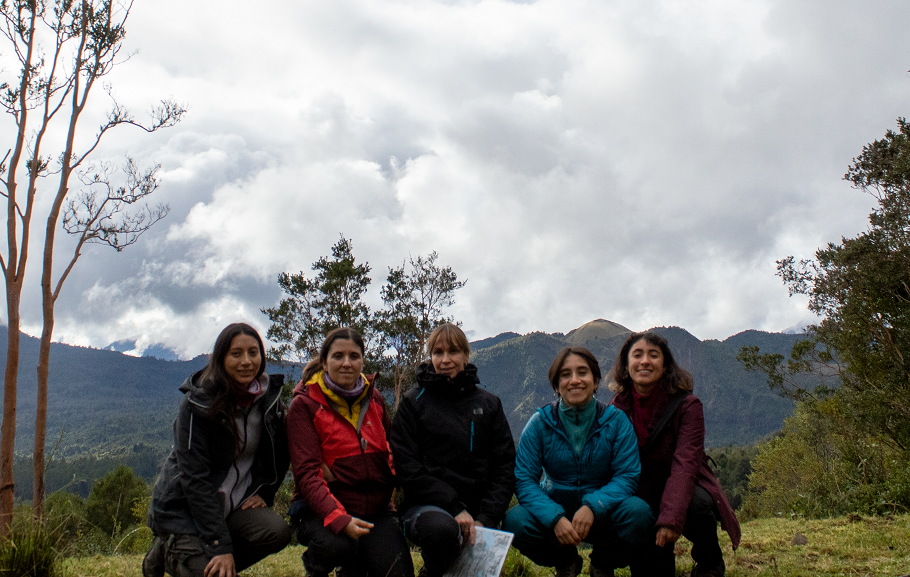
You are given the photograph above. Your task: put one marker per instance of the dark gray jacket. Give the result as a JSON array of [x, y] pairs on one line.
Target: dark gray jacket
[[185, 500]]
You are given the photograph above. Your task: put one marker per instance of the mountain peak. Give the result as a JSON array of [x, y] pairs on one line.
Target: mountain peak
[[596, 329]]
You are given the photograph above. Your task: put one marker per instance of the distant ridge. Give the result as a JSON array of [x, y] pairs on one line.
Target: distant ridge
[[108, 402]]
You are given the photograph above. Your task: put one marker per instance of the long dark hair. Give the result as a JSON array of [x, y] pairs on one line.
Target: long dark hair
[[674, 379], [341, 333], [216, 380], [560, 360]]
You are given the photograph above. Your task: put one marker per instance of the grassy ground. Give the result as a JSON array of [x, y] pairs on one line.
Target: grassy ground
[[849, 546]]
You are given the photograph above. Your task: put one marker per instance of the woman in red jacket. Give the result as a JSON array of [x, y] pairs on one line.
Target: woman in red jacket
[[338, 429], [676, 482]]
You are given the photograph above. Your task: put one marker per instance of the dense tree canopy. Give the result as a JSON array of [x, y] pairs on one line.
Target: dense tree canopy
[[860, 288], [414, 297]]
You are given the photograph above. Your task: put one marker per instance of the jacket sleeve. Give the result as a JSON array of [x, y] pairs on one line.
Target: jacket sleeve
[[687, 461], [495, 501], [306, 463], [274, 462], [626, 467], [528, 472], [420, 486], [193, 437]]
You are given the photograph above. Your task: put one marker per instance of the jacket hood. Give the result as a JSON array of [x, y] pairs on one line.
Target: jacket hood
[[464, 382]]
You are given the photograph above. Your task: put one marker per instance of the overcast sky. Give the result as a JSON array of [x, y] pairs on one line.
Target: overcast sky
[[645, 162]]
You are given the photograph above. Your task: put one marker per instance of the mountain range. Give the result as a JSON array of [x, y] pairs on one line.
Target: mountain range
[[101, 402]]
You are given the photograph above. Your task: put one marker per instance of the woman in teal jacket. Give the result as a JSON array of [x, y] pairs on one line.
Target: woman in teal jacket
[[587, 455]]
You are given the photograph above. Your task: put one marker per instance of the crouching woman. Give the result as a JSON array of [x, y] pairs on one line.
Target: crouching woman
[[209, 509], [338, 429], [587, 455]]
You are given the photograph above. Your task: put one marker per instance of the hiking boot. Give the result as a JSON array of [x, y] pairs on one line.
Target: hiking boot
[[598, 572], [718, 570], [153, 563], [570, 570]]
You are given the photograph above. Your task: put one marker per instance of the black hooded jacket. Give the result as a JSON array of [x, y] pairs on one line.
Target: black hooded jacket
[[185, 500], [453, 448]]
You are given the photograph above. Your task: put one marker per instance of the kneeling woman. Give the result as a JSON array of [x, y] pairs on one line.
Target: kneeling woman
[[453, 451], [589, 457], [676, 482], [209, 507], [343, 476]]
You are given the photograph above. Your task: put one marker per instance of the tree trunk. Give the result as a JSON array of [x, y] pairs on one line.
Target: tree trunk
[[8, 440], [44, 355]]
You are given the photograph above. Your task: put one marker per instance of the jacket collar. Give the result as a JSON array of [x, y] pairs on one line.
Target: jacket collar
[[200, 396], [550, 414], [462, 385]]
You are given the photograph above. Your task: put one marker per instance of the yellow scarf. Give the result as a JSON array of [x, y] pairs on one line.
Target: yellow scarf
[[350, 412]]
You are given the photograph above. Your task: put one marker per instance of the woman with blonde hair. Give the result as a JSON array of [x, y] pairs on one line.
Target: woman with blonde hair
[[453, 451]]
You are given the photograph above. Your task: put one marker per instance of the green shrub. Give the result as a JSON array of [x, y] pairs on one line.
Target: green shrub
[[822, 465], [110, 504]]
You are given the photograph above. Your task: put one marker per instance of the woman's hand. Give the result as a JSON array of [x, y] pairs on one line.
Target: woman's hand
[[220, 566], [666, 535], [468, 528], [582, 521], [566, 533], [357, 528], [253, 502]]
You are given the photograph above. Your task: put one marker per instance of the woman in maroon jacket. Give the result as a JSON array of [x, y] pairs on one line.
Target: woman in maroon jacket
[[676, 482], [338, 430]]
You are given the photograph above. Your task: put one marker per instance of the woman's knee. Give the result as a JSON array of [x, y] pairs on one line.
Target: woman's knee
[[633, 520], [437, 528]]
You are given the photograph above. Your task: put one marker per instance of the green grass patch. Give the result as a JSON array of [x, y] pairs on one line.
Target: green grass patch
[[851, 546]]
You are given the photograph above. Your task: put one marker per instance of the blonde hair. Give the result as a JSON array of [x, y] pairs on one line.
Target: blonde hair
[[451, 334]]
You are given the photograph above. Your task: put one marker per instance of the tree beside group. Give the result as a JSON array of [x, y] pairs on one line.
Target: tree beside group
[[63, 49], [414, 298], [860, 350]]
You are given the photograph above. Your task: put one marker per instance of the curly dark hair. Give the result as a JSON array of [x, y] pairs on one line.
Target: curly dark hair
[[675, 378]]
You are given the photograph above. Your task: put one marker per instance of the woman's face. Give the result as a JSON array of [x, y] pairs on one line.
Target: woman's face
[[243, 359], [646, 365], [576, 381], [344, 363], [448, 360]]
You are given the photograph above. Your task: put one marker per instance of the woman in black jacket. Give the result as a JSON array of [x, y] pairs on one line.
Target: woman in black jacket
[[209, 509], [453, 452]]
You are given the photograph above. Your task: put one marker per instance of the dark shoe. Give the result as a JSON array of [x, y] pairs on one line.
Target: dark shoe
[[598, 572], [350, 572], [153, 563], [717, 571], [570, 570]]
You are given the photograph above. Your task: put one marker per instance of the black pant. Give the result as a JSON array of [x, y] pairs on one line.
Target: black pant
[[383, 552], [255, 533], [437, 534], [700, 529]]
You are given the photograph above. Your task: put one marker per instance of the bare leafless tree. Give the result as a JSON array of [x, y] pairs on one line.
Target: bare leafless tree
[[63, 48]]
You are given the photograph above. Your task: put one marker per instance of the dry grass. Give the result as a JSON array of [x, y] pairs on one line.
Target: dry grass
[[849, 546]]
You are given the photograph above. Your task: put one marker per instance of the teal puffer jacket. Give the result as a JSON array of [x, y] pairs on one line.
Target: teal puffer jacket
[[551, 480]]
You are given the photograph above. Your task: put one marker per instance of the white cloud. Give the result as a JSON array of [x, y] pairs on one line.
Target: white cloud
[[641, 162]]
